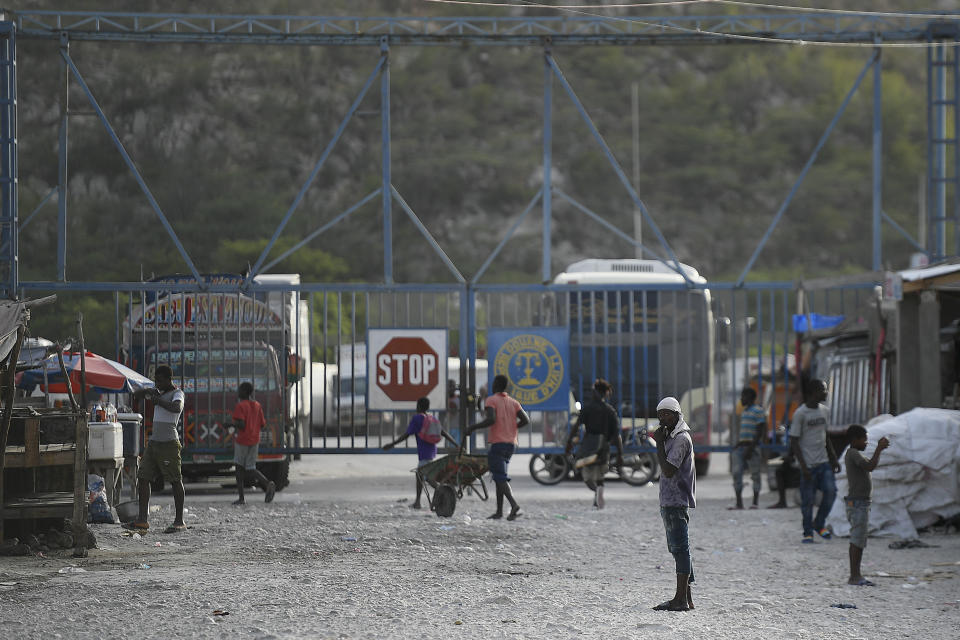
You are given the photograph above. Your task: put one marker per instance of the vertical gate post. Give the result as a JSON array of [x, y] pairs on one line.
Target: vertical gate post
[[939, 203], [547, 162], [62, 176], [386, 193], [877, 161], [9, 220], [474, 384], [466, 328], [938, 137]]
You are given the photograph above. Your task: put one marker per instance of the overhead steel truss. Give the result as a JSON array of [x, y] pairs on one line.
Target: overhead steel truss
[[545, 32], [559, 30]]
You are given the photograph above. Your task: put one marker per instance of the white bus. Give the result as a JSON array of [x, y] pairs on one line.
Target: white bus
[[647, 341]]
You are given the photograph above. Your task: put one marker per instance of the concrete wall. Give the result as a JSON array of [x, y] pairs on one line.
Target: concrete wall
[[917, 373]]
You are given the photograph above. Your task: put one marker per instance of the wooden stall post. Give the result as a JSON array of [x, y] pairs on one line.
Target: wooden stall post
[[80, 465], [9, 384]]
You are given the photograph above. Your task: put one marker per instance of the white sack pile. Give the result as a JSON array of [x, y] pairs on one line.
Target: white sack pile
[[918, 478]]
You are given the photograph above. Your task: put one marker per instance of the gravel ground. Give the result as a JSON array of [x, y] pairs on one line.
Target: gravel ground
[[365, 565]]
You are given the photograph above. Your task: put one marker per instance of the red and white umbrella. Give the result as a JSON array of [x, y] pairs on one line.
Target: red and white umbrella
[[102, 375]]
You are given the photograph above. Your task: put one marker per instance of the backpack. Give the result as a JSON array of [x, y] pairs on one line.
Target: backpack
[[430, 430]]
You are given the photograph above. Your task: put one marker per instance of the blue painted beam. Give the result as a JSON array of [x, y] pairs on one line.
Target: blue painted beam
[[62, 169], [806, 168], [903, 232], [316, 169], [595, 216], [557, 30], [408, 450], [509, 234], [877, 161], [615, 165], [937, 206], [130, 164], [53, 285], [9, 175], [46, 198], [547, 190], [319, 287], [386, 169], [429, 237], [313, 234]]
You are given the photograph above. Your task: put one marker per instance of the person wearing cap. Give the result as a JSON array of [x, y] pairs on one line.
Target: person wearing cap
[[677, 496]]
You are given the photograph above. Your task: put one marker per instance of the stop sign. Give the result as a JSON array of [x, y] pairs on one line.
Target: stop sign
[[407, 369]]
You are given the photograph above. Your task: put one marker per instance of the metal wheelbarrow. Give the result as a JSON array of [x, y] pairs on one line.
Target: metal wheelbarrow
[[448, 477]]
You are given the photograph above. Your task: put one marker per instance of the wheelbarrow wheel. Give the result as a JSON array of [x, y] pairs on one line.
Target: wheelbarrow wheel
[[445, 500]]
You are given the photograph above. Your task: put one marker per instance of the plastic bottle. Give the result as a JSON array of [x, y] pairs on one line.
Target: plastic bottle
[[111, 412], [98, 413]]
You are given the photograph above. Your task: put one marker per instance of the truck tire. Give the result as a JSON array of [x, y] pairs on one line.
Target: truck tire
[[277, 472]]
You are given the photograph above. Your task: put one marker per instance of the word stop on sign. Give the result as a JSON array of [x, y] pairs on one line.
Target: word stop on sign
[[405, 368], [408, 364]]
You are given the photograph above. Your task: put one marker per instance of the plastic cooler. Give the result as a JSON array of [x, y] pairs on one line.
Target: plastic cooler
[[106, 441], [131, 433]]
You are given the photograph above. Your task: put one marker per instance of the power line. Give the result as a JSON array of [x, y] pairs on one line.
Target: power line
[[730, 36], [664, 3], [741, 3]]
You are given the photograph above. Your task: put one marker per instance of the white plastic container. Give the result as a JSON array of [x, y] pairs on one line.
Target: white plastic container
[[106, 441]]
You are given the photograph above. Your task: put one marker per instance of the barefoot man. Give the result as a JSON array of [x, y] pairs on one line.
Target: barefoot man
[[677, 495], [505, 416]]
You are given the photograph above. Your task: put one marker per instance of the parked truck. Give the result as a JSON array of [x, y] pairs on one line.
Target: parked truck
[[215, 341]]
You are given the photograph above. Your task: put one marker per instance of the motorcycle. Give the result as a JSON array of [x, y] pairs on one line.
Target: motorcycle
[[639, 468]]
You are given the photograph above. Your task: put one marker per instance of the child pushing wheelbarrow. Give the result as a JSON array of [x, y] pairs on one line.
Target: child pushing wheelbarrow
[[429, 433], [449, 476]]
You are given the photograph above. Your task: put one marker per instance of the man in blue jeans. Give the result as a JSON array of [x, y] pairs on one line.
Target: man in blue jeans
[[504, 416], [678, 488], [818, 462]]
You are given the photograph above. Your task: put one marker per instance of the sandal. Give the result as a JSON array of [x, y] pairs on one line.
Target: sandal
[[136, 526], [670, 606], [175, 528]]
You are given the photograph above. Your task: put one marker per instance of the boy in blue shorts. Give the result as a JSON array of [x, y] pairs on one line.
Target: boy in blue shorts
[[426, 451]]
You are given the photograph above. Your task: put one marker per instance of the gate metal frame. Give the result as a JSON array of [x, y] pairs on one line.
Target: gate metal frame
[[873, 32], [546, 32]]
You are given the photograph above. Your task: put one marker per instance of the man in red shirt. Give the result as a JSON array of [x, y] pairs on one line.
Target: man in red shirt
[[248, 420], [505, 416]]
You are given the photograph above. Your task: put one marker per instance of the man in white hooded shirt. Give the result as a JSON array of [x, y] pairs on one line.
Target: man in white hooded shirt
[[677, 495]]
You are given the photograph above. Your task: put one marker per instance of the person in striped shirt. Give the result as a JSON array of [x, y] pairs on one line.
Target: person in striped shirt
[[747, 453]]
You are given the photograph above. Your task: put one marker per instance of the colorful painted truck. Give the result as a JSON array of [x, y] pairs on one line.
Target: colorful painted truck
[[213, 342]]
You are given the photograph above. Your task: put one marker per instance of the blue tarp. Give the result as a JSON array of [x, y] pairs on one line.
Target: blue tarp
[[818, 321]]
